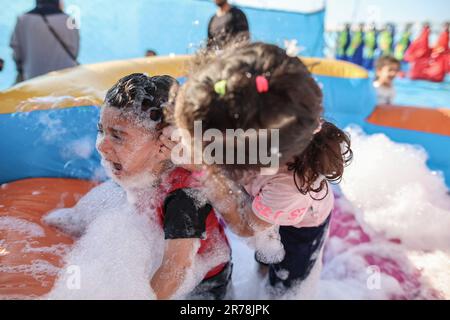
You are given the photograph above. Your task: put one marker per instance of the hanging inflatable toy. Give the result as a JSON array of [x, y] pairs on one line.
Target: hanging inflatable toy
[[429, 64], [343, 42], [355, 50], [403, 44], [385, 42], [370, 46]]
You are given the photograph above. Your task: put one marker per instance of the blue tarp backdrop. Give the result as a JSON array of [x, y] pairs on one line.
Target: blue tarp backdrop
[[113, 30]]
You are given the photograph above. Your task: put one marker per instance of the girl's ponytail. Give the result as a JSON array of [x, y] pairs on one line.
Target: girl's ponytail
[[326, 156]]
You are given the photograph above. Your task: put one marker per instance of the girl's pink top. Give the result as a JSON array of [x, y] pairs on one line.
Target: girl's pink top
[[277, 200]]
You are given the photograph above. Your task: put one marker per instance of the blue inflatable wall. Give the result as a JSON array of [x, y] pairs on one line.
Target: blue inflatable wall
[[61, 142]]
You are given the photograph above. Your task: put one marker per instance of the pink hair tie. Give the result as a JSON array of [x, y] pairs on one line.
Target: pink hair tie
[[262, 84]]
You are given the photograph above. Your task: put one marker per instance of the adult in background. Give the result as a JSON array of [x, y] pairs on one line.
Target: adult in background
[[150, 53], [42, 42], [228, 24]]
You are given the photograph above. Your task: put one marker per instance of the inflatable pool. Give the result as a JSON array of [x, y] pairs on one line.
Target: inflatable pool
[[50, 121], [49, 159]]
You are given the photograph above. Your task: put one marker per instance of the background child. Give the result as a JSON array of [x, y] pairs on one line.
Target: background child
[[386, 69], [258, 86]]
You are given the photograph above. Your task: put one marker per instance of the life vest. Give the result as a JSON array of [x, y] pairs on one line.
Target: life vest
[[180, 178]]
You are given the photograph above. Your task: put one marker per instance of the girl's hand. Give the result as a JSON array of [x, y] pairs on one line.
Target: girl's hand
[[166, 145]]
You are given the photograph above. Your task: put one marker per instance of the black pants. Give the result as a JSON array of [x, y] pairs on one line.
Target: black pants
[[216, 287], [302, 247]]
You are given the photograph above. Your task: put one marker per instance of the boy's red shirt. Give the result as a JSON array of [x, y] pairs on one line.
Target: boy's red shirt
[[180, 178]]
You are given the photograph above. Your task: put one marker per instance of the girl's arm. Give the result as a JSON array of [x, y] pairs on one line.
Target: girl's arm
[[233, 203], [175, 268]]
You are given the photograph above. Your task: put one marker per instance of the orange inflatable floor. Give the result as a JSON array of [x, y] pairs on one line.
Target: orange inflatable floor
[[436, 121], [30, 251]]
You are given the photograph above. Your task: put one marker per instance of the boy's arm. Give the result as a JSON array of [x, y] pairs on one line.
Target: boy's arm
[[175, 268], [184, 225], [235, 207]]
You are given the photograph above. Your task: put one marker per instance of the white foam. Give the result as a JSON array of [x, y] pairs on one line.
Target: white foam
[[391, 191], [59, 249], [38, 269], [435, 268], [247, 283], [96, 202], [82, 148], [53, 127], [393, 196], [120, 249], [115, 258], [398, 196], [27, 228], [268, 246], [349, 270]]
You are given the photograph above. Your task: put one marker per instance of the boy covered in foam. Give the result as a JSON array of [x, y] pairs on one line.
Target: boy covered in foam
[[196, 258]]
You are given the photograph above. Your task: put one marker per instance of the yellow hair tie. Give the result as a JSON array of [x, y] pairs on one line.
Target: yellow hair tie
[[221, 87]]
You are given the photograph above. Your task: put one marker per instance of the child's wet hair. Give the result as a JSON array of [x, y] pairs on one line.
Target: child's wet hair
[[142, 96], [386, 61], [293, 104]]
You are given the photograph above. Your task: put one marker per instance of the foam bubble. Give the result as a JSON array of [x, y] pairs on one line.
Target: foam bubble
[[268, 246], [115, 258], [27, 228], [54, 127], [38, 269], [74, 221], [121, 248], [82, 148]]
